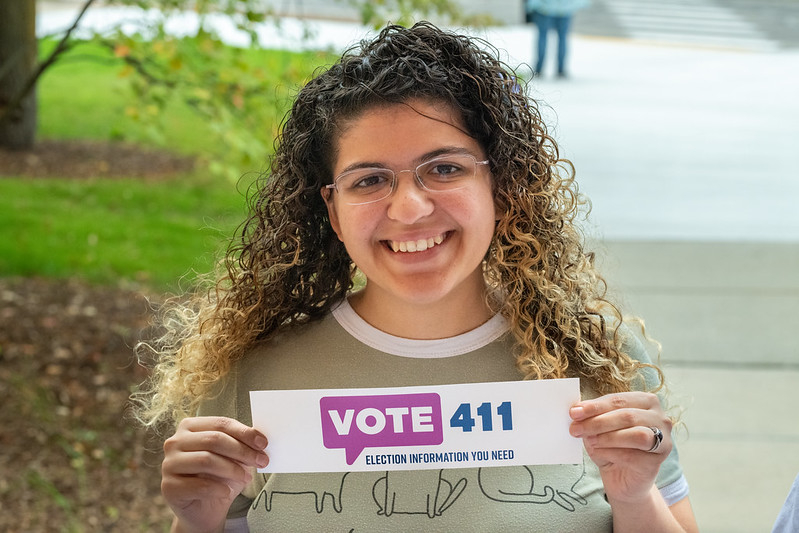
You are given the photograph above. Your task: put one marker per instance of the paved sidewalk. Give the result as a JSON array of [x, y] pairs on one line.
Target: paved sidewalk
[[725, 314]]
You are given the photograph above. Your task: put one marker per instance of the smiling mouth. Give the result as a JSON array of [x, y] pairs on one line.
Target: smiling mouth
[[419, 245]]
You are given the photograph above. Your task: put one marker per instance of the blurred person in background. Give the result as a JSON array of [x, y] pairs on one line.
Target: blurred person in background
[[788, 519], [557, 15]]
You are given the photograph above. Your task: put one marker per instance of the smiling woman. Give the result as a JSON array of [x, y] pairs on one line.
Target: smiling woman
[[444, 232], [418, 162]]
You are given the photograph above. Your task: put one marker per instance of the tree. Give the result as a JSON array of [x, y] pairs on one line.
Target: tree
[[220, 82], [20, 69], [18, 51]]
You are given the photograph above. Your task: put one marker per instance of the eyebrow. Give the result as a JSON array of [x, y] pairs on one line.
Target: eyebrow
[[438, 152]]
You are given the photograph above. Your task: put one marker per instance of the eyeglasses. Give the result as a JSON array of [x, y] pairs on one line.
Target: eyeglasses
[[367, 185]]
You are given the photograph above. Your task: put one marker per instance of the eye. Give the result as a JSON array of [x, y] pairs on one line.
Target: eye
[[365, 181], [442, 170], [445, 169]]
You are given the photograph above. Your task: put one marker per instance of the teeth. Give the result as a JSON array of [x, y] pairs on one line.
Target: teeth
[[416, 246]]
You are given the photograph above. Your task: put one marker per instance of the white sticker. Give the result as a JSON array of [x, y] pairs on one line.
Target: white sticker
[[413, 428]]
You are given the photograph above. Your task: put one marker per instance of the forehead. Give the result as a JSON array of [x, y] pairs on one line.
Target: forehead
[[407, 129]]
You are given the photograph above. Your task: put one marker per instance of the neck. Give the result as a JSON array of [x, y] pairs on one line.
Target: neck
[[441, 319]]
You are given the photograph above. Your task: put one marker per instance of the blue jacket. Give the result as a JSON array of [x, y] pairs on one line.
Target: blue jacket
[[557, 8]]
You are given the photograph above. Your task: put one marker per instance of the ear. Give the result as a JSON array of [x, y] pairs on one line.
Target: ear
[[332, 213]]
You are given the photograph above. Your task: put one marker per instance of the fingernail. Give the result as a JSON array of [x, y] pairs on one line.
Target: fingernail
[[261, 460], [577, 412], [261, 442]]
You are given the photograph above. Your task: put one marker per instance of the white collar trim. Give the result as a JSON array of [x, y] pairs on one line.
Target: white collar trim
[[467, 342]]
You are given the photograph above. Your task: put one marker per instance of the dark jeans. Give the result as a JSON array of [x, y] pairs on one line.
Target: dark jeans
[[561, 25]]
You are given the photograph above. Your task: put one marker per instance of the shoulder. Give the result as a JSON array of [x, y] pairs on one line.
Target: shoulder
[[267, 361], [633, 343]]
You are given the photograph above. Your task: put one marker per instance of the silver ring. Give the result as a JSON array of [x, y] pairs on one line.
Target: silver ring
[[658, 439]]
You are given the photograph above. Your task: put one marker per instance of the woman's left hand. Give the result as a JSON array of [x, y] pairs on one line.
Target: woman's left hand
[[618, 431]]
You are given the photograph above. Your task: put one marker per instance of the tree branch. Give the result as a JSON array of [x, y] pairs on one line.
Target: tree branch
[[139, 66], [61, 47]]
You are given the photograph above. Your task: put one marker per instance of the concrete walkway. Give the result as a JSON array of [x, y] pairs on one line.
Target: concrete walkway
[[690, 158], [725, 314]]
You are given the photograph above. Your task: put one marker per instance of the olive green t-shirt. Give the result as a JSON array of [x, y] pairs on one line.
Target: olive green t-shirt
[[343, 351]]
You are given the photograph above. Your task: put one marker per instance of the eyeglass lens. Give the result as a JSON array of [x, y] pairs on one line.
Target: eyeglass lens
[[366, 185]]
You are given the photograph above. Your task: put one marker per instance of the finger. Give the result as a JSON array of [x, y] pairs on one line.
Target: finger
[[192, 488], [221, 436], [207, 464], [612, 402], [245, 434], [620, 419], [637, 438], [634, 462], [218, 443]]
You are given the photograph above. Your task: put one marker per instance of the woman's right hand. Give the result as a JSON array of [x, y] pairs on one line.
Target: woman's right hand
[[207, 463]]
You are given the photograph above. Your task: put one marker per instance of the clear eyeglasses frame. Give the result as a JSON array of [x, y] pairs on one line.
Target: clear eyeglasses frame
[[368, 185]]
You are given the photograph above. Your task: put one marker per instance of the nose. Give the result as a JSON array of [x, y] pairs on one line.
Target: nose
[[409, 202]]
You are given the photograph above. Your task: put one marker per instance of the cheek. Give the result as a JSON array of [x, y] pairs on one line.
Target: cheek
[[485, 221], [356, 226], [480, 211]]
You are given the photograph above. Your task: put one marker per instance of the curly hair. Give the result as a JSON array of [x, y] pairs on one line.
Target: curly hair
[[287, 266]]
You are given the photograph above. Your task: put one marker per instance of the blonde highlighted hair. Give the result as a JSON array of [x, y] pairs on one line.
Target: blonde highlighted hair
[[287, 267]]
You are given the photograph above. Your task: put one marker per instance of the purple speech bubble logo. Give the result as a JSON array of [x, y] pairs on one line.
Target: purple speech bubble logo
[[358, 422]]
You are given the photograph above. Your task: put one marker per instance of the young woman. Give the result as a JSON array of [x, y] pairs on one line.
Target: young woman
[[416, 228]]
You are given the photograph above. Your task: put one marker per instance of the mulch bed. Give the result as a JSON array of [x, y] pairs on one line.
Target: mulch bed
[[71, 457], [72, 460], [91, 159]]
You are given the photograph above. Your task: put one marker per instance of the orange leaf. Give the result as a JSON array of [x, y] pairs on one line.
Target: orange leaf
[[122, 50], [238, 100]]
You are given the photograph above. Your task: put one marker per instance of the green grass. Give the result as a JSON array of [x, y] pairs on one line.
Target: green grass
[[104, 231], [85, 96], [158, 233], [82, 96]]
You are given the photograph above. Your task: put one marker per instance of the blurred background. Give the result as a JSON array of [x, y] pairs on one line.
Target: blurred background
[[681, 119]]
